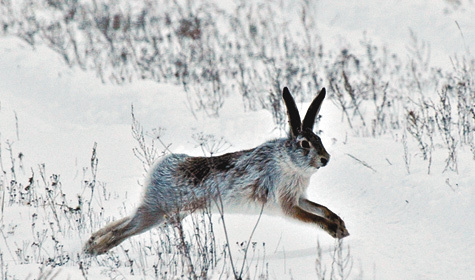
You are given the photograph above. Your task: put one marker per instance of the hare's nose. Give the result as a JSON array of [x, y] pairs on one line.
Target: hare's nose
[[324, 161]]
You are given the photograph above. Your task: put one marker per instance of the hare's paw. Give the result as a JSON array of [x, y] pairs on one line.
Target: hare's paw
[[337, 220], [342, 232], [97, 245], [340, 224], [337, 230]]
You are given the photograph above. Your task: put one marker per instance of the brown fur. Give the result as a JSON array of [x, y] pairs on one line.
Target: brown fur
[[198, 169], [292, 207]]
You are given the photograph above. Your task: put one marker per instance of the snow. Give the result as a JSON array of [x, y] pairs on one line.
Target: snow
[[402, 226]]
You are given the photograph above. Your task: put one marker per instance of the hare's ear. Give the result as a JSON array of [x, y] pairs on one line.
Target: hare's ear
[[292, 112], [313, 110]]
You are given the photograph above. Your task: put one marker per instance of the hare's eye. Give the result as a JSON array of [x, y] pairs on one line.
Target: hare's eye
[[304, 144]]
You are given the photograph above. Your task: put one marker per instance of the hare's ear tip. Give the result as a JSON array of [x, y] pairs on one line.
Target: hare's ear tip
[[286, 92], [322, 93]]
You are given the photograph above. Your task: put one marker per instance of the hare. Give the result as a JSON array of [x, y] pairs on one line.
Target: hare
[[275, 174]]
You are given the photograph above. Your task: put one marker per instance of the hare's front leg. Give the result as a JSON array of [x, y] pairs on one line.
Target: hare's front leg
[[291, 208], [330, 227], [316, 208]]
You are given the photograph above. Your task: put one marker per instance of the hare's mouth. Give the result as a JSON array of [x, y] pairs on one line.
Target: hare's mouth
[[314, 163]]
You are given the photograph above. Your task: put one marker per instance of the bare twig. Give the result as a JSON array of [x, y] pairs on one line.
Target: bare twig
[[362, 162]]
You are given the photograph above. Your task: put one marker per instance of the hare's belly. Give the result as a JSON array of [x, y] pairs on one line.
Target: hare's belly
[[246, 206]]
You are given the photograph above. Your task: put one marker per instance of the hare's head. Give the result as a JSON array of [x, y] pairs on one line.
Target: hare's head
[[307, 147]]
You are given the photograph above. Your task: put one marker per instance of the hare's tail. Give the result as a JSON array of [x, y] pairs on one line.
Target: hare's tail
[[114, 233]]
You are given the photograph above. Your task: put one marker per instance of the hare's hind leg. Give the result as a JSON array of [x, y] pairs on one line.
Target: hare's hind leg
[[114, 233], [101, 240]]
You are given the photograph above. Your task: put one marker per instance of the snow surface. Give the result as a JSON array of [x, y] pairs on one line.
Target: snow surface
[[402, 226]]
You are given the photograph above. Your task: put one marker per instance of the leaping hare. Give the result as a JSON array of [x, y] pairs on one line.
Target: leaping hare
[[275, 174]]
